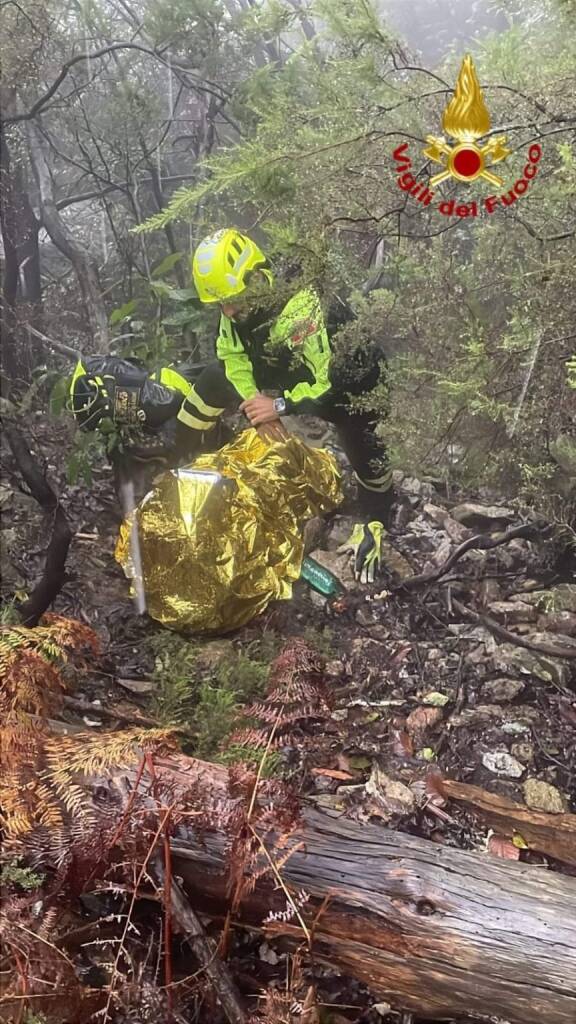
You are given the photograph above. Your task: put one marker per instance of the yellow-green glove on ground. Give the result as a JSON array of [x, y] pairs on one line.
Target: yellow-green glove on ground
[[366, 543]]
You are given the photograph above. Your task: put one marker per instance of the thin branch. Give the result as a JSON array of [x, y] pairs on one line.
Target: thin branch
[[550, 650], [58, 346], [66, 68], [204, 949]]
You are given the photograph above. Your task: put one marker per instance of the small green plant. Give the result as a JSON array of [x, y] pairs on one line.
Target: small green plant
[[89, 449], [9, 612], [235, 753], [13, 874], [205, 694], [216, 713]]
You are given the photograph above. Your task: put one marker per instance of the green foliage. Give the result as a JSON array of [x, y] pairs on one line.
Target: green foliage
[[123, 313], [59, 395], [89, 450], [202, 688], [468, 316], [236, 753], [216, 713], [167, 264], [9, 615], [12, 874], [293, 140]]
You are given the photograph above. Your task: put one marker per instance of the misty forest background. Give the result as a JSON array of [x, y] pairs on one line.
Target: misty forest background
[[281, 117]]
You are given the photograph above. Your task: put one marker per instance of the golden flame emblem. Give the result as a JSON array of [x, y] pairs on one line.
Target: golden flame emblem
[[466, 118]]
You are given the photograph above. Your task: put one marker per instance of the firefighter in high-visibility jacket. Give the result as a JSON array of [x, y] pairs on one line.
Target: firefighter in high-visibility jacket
[[264, 342], [287, 349]]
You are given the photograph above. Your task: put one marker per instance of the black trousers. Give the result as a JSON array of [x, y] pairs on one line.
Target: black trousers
[[357, 431]]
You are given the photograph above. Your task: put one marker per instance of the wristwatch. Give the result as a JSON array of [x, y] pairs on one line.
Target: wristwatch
[[280, 406]]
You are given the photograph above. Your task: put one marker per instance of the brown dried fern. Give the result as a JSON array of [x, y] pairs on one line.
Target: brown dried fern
[[298, 703]]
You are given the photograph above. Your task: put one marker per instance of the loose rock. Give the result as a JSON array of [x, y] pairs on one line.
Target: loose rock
[[340, 564], [392, 797], [500, 762], [510, 612], [523, 751], [541, 796], [502, 690], [482, 517], [559, 622], [507, 658], [561, 598]]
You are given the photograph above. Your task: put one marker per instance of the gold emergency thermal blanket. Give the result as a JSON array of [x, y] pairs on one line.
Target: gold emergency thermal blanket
[[215, 542]]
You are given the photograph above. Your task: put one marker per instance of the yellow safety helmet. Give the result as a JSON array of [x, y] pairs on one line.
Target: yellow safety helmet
[[223, 263]]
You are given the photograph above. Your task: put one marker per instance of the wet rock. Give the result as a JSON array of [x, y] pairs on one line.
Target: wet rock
[[442, 552], [559, 622], [502, 690], [511, 612], [416, 488], [268, 955], [523, 751], [456, 532], [521, 713], [340, 532], [507, 658], [484, 714], [482, 517], [436, 513], [541, 796], [515, 728], [500, 762], [137, 685], [395, 562], [338, 562], [366, 615], [390, 797], [561, 598]]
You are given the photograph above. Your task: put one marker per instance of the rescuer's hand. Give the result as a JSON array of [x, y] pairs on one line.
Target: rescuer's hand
[[259, 409]]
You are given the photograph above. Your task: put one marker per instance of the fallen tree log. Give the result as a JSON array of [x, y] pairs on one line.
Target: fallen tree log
[[431, 929]]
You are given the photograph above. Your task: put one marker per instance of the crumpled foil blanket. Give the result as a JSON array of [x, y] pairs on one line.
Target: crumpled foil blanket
[[216, 541]]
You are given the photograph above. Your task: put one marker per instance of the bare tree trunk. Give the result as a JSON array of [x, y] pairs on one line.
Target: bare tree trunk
[[61, 236], [20, 239], [52, 580], [11, 363]]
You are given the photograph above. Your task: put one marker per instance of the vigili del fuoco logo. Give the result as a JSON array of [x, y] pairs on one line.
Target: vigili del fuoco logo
[[465, 119]]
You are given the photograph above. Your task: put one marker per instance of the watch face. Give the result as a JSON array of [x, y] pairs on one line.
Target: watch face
[[279, 405]]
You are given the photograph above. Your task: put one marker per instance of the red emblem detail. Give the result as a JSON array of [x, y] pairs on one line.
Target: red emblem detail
[[467, 163]]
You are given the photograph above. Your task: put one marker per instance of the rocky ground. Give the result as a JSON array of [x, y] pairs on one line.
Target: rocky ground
[[425, 689]]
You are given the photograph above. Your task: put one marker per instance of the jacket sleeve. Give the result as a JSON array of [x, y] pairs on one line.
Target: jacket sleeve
[[237, 365], [301, 326]]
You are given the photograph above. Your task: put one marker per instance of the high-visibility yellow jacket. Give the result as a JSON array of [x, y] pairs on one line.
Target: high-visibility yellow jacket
[[300, 328]]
